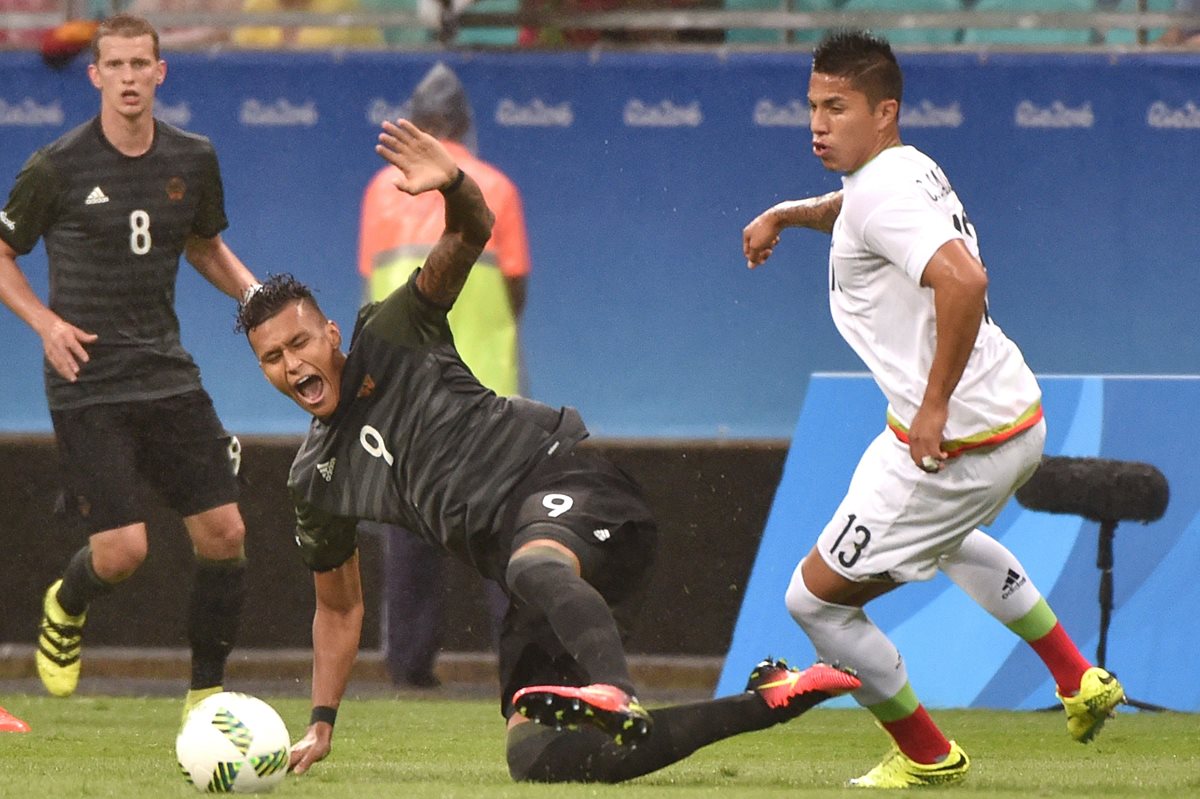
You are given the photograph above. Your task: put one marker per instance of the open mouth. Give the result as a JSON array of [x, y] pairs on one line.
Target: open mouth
[[310, 389]]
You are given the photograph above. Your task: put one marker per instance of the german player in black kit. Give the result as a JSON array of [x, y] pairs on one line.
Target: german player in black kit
[[404, 434], [117, 201]]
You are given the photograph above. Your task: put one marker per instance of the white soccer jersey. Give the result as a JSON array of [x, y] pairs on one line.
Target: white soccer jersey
[[897, 210]]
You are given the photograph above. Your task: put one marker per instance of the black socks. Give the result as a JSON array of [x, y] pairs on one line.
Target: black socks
[[581, 619], [218, 594], [542, 754], [80, 584]]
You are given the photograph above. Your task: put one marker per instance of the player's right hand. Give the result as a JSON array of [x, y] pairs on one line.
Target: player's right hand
[[314, 746], [63, 345], [759, 239], [423, 162]]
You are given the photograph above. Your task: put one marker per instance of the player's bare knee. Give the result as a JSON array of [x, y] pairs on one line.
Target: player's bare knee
[[116, 567], [116, 557], [230, 541], [221, 542]]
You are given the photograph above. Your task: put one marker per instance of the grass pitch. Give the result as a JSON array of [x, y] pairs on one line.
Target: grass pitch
[[124, 747]]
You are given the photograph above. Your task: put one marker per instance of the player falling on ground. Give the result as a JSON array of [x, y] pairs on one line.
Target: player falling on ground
[[117, 201], [403, 433], [964, 425]]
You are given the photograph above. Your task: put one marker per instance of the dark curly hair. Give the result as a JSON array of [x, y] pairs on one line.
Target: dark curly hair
[[270, 299], [866, 59]]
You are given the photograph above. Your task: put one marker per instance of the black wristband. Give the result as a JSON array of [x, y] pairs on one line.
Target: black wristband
[[454, 184], [323, 713]]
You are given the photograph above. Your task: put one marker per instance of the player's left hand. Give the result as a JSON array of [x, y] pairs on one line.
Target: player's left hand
[[423, 162], [925, 438], [314, 746]]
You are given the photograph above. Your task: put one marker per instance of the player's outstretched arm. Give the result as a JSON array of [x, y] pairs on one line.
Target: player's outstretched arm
[[760, 237], [337, 625], [425, 165], [213, 259], [62, 342]]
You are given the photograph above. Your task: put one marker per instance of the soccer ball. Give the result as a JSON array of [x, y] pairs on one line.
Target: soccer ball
[[233, 743]]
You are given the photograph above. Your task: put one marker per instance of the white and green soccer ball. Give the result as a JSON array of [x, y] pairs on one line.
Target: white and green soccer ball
[[233, 743]]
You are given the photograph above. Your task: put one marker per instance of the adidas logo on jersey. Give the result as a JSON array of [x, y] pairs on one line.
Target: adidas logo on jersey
[[326, 469], [1012, 582], [96, 197], [602, 534]]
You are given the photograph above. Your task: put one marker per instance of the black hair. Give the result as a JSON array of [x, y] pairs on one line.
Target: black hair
[[270, 299], [865, 59]]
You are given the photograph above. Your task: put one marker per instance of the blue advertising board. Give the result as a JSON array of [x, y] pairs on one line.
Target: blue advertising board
[[638, 173]]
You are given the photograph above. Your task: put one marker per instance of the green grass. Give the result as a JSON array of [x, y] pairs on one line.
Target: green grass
[[124, 747]]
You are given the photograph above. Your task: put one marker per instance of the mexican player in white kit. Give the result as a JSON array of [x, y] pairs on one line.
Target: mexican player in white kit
[[964, 428], [898, 211]]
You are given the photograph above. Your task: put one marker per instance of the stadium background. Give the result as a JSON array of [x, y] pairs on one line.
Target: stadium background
[[638, 171]]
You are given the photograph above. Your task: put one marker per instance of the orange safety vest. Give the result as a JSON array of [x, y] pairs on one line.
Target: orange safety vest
[[398, 231]]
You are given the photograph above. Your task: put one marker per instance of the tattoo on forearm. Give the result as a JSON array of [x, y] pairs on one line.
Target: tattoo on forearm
[[467, 212], [818, 213], [468, 228], [446, 269]]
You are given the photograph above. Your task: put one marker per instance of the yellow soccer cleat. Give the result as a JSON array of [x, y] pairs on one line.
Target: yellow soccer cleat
[[898, 771], [1099, 694], [60, 639]]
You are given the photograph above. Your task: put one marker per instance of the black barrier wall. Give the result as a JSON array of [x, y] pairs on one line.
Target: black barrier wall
[[711, 500]]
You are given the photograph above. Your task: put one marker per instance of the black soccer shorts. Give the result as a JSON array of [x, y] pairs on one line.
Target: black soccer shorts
[[111, 455]]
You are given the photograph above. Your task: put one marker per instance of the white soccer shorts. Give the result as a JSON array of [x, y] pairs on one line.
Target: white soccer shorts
[[897, 520]]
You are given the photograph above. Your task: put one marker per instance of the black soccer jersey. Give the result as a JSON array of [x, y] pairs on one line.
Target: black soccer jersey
[[115, 227], [416, 440]]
